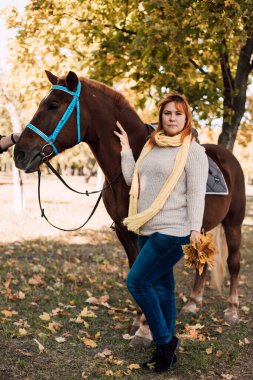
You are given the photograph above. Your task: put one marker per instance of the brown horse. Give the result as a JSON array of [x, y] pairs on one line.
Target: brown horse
[[100, 108]]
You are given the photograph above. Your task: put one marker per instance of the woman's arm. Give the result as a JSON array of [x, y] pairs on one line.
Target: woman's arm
[[7, 141], [127, 159], [196, 174]]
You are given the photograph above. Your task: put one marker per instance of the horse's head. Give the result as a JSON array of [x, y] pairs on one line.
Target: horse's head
[[55, 125]]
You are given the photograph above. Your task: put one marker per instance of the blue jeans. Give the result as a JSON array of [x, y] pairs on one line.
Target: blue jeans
[[151, 282]]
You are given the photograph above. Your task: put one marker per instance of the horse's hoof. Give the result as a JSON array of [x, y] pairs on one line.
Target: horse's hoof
[[231, 318], [189, 308], [139, 341], [133, 330]]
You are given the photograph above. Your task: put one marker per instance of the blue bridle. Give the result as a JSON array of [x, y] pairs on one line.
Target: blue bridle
[[75, 102]]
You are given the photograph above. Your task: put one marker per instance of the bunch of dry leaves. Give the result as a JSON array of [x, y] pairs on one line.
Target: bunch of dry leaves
[[200, 253]]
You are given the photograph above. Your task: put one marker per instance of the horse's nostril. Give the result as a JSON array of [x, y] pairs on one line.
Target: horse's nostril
[[20, 156]]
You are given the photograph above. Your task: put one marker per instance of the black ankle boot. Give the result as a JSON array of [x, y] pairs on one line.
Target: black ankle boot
[[166, 353], [150, 364], [163, 356]]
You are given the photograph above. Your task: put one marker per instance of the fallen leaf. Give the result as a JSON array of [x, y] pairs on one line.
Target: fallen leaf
[[9, 313], [22, 332], [54, 326], [227, 376], [108, 372], [85, 313], [133, 366], [219, 353], [209, 350], [40, 346], [60, 339], [106, 352], [127, 337], [25, 353], [45, 316], [36, 280], [89, 342]]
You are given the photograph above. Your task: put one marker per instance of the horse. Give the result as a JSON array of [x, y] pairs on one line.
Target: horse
[[98, 107]]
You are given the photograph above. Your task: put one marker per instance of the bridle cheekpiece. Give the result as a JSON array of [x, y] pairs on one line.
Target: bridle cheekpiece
[[74, 103]]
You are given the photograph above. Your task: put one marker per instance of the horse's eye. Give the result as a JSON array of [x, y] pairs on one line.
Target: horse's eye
[[53, 106]]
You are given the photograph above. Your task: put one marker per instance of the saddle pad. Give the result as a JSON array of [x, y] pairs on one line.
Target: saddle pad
[[216, 184]]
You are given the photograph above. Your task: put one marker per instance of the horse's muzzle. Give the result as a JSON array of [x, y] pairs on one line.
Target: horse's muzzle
[[24, 161]]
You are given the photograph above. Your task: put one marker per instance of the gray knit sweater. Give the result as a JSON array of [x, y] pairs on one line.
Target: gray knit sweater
[[183, 210]]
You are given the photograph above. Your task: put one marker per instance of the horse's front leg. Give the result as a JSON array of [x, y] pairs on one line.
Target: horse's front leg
[[140, 329], [196, 297]]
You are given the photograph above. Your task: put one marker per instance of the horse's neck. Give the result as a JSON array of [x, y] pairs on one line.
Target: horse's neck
[[106, 146]]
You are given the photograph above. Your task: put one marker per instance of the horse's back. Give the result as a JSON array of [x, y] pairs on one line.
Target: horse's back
[[219, 208]]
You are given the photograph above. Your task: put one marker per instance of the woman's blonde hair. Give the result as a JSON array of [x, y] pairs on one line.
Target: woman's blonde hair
[[182, 105]]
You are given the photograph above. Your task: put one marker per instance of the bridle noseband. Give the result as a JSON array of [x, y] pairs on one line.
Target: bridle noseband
[[74, 103]]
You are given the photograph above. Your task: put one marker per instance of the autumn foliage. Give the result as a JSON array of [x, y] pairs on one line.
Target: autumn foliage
[[200, 253]]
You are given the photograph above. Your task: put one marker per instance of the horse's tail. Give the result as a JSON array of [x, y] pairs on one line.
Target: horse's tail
[[219, 270]]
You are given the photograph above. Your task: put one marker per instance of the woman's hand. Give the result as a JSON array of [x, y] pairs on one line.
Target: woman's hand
[[7, 141], [122, 135], [195, 235]]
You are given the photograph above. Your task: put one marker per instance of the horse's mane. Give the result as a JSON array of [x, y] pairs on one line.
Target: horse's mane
[[119, 99]]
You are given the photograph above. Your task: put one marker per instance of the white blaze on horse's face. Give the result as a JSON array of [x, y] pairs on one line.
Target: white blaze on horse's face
[[173, 119]]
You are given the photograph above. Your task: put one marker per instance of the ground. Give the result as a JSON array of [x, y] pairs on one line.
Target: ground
[[65, 311]]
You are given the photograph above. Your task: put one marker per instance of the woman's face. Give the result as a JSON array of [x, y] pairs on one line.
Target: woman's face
[[173, 119]]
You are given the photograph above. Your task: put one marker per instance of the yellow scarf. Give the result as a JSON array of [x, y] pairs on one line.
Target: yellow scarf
[[135, 220]]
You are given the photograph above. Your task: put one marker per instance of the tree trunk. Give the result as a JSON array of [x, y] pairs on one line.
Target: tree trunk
[[234, 91], [18, 193]]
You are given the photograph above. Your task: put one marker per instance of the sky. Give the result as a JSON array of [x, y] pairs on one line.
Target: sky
[[4, 32]]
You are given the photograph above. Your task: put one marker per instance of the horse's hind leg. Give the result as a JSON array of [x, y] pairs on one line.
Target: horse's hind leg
[[233, 236], [196, 297], [140, 329]]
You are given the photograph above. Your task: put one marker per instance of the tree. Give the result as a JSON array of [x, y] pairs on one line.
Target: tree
[[202, 48], [7, 104]]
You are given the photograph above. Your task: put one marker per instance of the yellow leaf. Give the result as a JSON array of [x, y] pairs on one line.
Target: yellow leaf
[[45, 316], [22, 332], [133, 366], [85, 313], [219, 353], [98, 334], [89, 342], [8, 313], [108, 372], [40, 346], [21, 295], [54, 326], [209, 350]]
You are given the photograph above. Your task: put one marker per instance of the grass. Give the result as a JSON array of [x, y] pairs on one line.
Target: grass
[[56, 277]]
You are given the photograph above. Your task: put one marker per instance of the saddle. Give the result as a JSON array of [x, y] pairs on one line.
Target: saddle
[[216, 184]]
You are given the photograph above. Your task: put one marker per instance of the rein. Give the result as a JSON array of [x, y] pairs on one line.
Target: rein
[[87, 193]]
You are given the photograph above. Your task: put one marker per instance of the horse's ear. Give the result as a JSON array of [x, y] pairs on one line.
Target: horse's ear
[[51, 77], [71, 81]]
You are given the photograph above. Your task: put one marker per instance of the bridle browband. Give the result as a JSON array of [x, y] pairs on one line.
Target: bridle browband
[[74, 103]]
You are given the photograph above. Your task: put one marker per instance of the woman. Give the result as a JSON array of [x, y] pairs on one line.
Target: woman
[[7, 141], [168, 184]]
